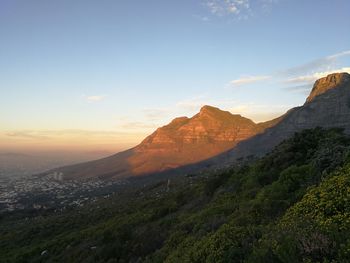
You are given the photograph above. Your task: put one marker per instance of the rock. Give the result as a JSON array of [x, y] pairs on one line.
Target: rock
[[330, 82], [183, 141], [189, 140], [327, 106]]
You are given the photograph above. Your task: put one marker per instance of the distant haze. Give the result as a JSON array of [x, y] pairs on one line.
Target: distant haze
[[24, 163]]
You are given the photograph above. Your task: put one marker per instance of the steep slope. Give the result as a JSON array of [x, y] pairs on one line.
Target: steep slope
[[183, 141], [328, 105], [216, 138], [273, 210]]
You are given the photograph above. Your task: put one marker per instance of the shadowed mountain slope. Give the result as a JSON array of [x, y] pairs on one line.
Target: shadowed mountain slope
[[328, 105]]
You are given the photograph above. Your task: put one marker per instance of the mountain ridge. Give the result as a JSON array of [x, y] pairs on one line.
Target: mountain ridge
[[216, 137], [181, 142], [326, 106]]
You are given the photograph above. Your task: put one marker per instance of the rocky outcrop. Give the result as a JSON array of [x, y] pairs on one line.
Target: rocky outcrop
[[183, 141], [189, 140], [327, 83], [328, 105]]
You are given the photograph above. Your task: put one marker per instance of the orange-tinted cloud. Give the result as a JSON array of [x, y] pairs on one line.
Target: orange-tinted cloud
[[75, 140]]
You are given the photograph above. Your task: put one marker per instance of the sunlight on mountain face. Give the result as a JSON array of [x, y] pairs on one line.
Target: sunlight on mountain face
[[174, 131]]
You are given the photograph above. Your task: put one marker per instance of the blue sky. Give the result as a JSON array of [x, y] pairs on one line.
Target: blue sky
[[126, 67]]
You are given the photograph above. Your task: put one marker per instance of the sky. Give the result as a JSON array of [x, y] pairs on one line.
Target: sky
[[103, 74]]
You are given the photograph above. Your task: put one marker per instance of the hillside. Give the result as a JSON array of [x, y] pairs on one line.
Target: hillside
[[183, 141], [327, 106], [216, 138], [289, 206]]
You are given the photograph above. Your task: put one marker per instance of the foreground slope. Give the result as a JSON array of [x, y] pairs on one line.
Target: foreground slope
[[183, 141], [289, 206]]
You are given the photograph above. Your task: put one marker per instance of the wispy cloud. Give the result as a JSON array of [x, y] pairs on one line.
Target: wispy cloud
[[299, 78], [240, 9], [49, 134], [137, 125], [303, 83], [38, 140], [314, 76], [27, 135], [247, 80], [255, 111], [324, 64], [303, 88], [155, 114], [195, 103], [95, 98], [260, 112], [340, 54], [227, 7]]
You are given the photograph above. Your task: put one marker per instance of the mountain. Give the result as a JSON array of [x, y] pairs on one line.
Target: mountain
[[291, 205], [215, 138], [183, 141], [189, 140], [328, 105]]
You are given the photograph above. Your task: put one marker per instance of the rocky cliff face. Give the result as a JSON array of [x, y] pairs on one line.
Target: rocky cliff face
[[327, 83], [209, 126], [328, 105], [183, 141], [188, 140]]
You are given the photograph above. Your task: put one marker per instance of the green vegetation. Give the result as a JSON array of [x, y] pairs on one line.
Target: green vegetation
[[290, 206]]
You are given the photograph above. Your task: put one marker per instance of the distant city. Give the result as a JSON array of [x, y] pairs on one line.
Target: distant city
[[22, 188], [51, 192]]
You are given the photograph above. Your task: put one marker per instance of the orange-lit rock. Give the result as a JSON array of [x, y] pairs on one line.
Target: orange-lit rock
[[188, 140]]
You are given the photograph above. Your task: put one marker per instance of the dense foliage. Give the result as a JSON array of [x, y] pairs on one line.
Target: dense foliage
[[290, 206]]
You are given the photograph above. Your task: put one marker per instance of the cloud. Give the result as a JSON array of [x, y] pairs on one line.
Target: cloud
[[259, 112], [146, 121], [137, 125], [340, 54], [255, 111], [317, 65], [27, 135], [247, 80], [156, 114], [192, 105], [42, 140], [227, 7], [95, 98], [241, 9], [314, 76], [301, 77], [49, 134], [303, 88]]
